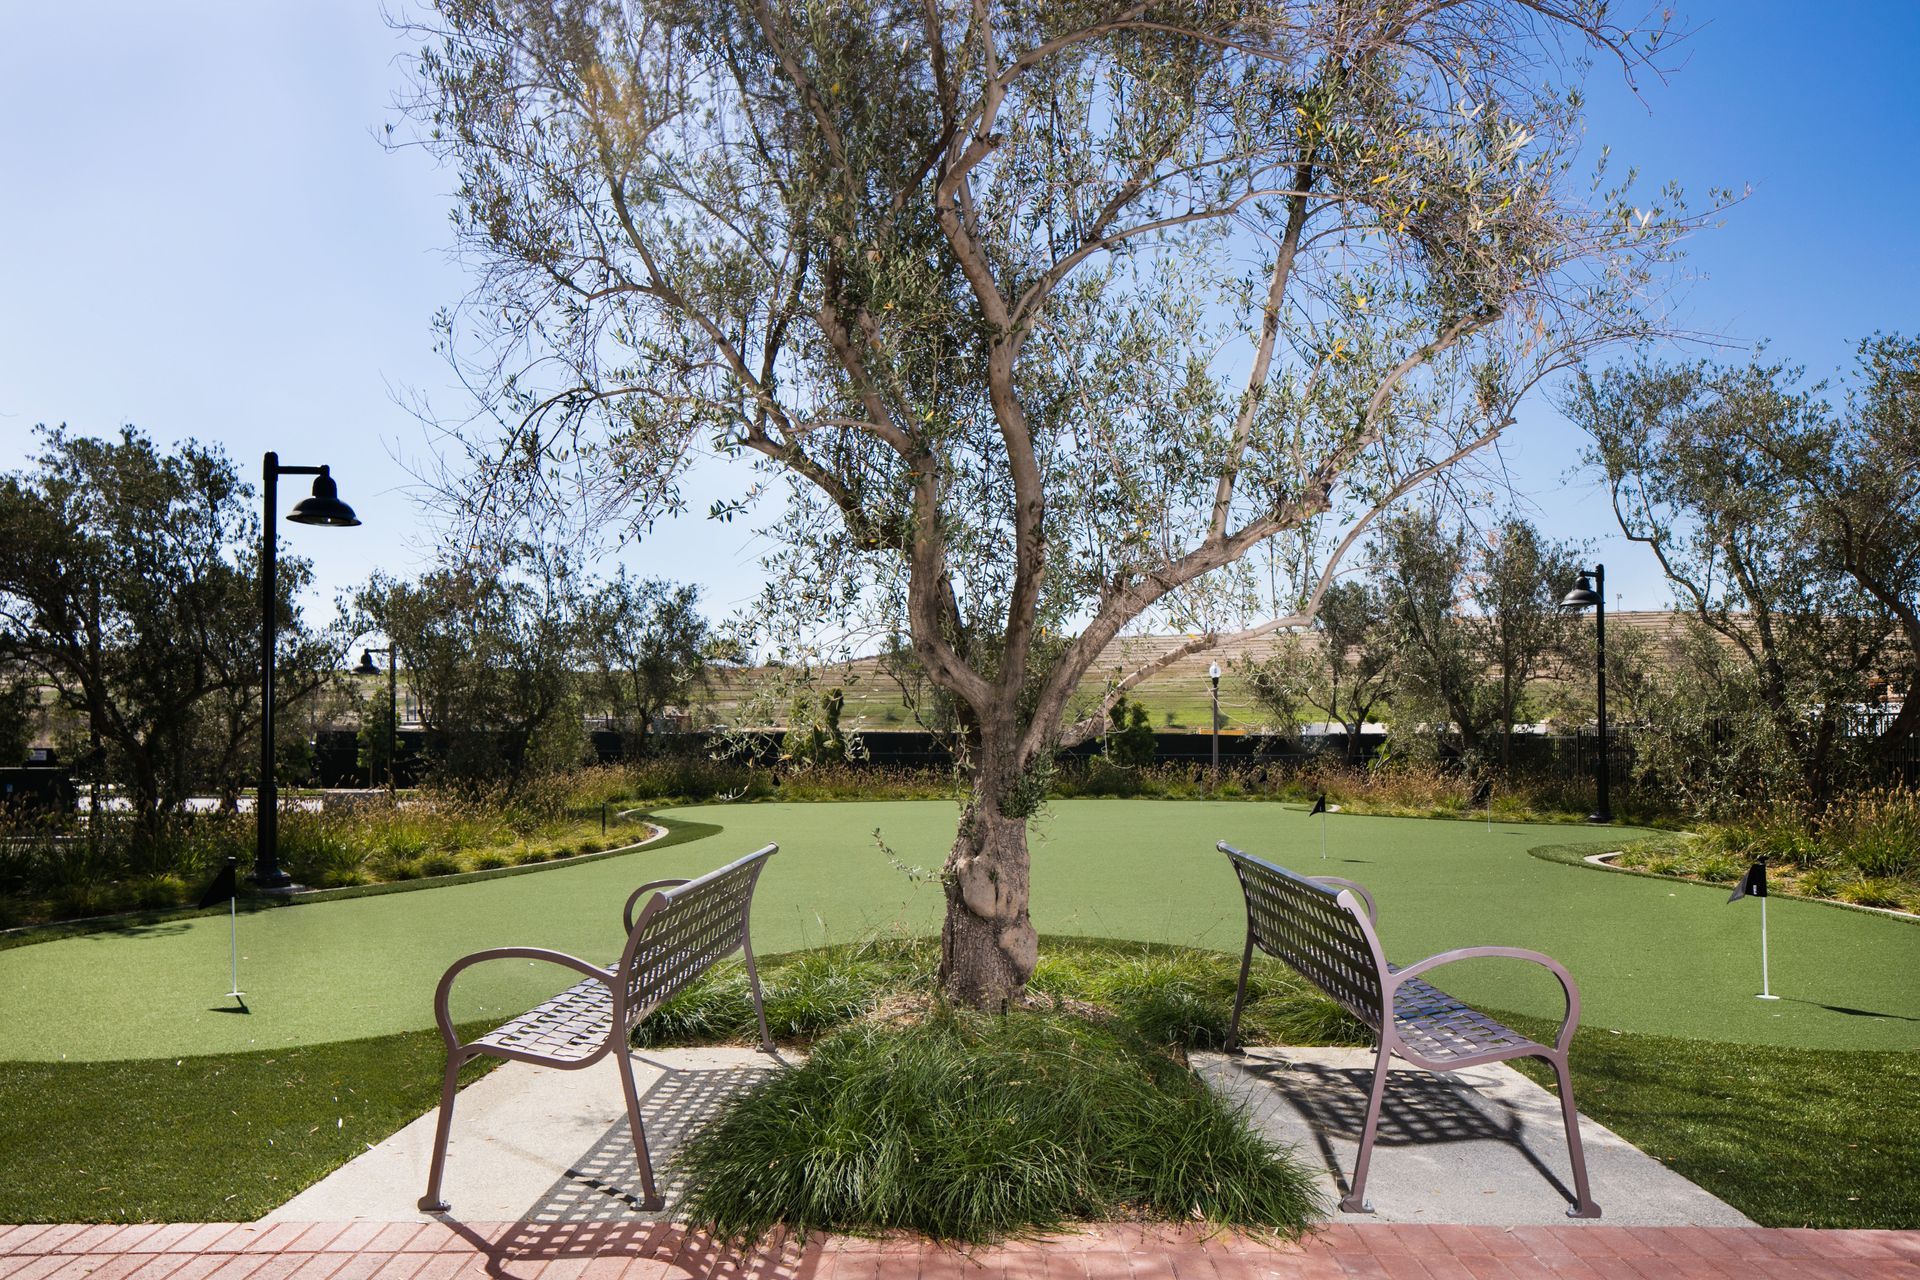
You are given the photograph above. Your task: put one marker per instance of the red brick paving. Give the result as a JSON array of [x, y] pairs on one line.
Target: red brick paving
[[620, 1251]]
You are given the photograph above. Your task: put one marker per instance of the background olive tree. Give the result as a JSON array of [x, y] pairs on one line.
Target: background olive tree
[[1474, 621], [130, 585], [644, 646], [491, 660], [1789, 527], [1346, 668], [1035, 320]]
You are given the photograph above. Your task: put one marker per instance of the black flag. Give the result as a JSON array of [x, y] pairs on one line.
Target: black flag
[[1482, 794], [1319, 806], [224, 887], [1752, 884]]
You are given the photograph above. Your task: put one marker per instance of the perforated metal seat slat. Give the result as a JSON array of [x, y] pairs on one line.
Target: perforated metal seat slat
[[1439, 1027], [570, 1026]]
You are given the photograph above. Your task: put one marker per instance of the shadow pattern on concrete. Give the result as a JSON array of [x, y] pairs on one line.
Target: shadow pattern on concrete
[[1420, 1110], [603, 1185]]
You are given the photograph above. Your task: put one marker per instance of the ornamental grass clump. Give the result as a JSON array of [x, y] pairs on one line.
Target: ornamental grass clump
[[972, 1127]]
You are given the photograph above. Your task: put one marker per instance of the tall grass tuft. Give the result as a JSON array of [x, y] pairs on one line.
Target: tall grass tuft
[[969, 1128]]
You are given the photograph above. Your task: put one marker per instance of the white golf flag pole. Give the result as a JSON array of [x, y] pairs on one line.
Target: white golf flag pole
[[1766, 989], [233, 943], [1754, 885], [227, 885]]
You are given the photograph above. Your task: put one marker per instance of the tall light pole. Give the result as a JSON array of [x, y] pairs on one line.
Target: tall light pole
[[1213, 678], [1591, 592], [323, 508], [367, 668]]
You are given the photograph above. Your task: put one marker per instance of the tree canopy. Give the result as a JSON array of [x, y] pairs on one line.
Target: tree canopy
[[130, 585], [1788, 522], [1036, 319]]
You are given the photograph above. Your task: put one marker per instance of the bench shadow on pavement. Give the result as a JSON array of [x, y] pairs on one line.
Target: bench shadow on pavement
[[1420, 1110], [594, 1209]]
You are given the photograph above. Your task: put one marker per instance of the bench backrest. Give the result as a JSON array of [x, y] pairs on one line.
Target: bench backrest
[[682, 931], [1317, 929]]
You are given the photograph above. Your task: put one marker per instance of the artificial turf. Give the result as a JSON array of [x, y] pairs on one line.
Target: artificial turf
[[222, 1138], [1651, 956], [1792, 1137]]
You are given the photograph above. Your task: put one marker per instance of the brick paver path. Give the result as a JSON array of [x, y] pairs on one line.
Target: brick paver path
[[365, 1250]]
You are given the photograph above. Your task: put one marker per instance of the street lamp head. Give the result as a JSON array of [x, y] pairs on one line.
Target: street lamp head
[[366, 667], [1213, 672], [324, 507], [1583, 596]]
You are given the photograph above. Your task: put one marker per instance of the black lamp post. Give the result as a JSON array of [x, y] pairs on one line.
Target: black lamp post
[[323, 508], [1213, 678], [367, 668], [1591, 592]]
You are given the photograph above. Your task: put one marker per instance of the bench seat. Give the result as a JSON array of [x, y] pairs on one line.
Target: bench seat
[[569, 1027], [1442, 1028]]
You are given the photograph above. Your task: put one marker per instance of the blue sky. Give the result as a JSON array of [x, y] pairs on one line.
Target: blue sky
[[200, 233]]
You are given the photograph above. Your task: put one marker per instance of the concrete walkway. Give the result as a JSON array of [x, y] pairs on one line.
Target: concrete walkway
[[1484, 1145], [658, 1251]]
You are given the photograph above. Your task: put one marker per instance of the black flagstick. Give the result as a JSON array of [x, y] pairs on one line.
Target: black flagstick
[[1754, 884], [1320, 807], [226, 885]]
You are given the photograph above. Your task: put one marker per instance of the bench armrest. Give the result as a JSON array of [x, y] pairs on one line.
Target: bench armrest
[[1567, 985], [454, 970], [626, 912], [1373, 912]]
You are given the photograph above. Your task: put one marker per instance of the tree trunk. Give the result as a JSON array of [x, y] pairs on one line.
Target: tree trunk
[[988, 946]]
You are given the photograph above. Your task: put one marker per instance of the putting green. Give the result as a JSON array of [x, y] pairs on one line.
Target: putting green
[[1650, 955]]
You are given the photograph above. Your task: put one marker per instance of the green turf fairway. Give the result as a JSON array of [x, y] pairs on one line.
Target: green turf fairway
[[1651, 955]]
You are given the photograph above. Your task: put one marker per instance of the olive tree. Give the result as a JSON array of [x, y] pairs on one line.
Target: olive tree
[[130, 585], [1036, 320], [1347, 669], [644, 645], [1789, 527]]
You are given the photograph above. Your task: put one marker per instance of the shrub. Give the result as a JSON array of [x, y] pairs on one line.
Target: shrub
[[969, 1127], [157, 891], [1874, 891], [439, 864], [1821, 882]]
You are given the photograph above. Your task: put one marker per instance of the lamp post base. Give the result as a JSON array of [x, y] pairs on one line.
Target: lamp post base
[[276, 882], [1601, 816]]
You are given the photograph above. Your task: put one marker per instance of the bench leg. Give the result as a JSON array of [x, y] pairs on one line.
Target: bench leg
[[650, 1201], [753, 985], [449, 1090], [1240, 996], [1356, 1201], [1583, 1205]]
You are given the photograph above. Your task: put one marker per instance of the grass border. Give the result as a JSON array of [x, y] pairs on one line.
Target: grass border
[[1569, 855], [676, 831]]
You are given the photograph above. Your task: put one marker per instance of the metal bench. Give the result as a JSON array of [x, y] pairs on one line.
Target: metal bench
[[1323, 928], [686, 927]]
